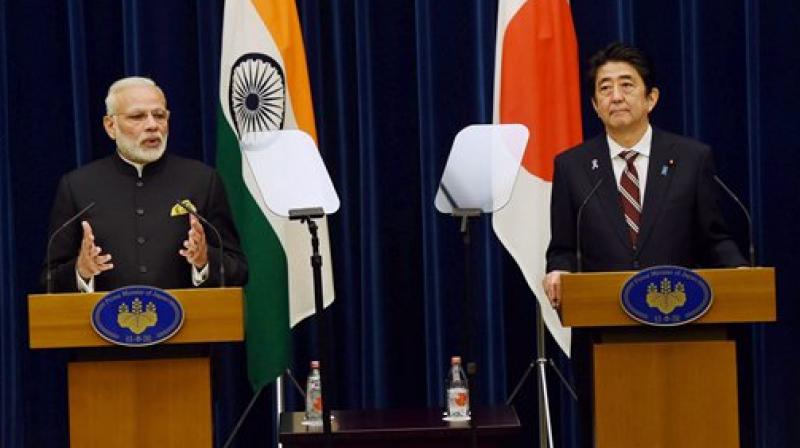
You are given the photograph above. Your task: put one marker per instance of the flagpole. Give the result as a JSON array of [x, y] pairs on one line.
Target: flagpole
[[545, 422], [279, 408]]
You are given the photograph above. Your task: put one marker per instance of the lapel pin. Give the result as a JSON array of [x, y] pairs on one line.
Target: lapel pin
[[595, 165], [665, 168]]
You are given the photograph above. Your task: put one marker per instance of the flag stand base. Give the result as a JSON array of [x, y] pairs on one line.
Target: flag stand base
[[241, 419], [540, 363]]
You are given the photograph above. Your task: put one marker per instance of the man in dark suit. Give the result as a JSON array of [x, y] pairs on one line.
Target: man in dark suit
[[135, 219], [654, 200]]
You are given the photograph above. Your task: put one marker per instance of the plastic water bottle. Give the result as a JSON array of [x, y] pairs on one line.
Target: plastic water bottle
[[313, 397], [457, 392]]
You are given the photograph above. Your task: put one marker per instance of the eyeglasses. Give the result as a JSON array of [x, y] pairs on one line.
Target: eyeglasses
[[160, 116]]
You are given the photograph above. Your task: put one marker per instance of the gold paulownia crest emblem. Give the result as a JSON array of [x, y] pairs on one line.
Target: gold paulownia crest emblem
[[664, 297], [137, 319]]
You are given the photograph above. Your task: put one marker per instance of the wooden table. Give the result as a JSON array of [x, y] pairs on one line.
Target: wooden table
[[418, 428]]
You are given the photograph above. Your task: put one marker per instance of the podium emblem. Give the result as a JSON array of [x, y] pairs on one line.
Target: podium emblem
[[137, 316], [666, 296]]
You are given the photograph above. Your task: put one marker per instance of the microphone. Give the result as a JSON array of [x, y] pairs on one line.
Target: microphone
[[578, 254], [746, 215], [188, 208], [52, 237]]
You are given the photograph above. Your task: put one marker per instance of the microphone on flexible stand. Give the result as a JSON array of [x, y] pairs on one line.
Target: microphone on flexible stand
[[578, 253], [189, 209], [52, 237], [735, 198]]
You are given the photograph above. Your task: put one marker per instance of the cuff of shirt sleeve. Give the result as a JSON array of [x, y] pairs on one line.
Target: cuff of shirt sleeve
[[199, 276], [83, 285]]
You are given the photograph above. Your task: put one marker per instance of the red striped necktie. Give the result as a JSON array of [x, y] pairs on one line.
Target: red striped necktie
[[629, 194]]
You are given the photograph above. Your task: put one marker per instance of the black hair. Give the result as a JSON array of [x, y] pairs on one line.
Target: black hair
[[620, 52]]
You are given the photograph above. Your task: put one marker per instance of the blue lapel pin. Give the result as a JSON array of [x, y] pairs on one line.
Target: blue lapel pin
[[595, 164], [665, 168]]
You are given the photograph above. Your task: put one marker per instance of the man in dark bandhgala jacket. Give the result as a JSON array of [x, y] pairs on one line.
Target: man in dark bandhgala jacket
[[135, 234]]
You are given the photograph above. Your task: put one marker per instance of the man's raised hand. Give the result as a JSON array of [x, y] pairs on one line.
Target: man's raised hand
[[91, 259]]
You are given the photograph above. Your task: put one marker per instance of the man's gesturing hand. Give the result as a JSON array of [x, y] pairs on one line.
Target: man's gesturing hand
[[195, 249], [91, 261]]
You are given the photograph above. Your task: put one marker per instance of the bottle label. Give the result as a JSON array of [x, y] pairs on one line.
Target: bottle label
[[314, 401], [458, 402]]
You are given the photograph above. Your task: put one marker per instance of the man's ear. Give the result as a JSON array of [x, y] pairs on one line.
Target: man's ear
[[652, 99], [594, 104], [110, 127]]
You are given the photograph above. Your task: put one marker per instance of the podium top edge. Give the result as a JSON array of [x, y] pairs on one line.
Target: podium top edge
[[181, 292]]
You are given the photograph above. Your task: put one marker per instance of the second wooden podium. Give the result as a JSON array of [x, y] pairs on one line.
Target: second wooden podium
[[155, 396], [666, 387]]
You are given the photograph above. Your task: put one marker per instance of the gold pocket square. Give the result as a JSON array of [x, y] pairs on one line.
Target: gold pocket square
[[180, 209]]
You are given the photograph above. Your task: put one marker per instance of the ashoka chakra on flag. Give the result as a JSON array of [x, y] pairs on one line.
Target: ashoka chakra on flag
[[257, 94]]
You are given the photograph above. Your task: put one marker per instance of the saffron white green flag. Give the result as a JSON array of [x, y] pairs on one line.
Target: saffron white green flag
[[264, 86]]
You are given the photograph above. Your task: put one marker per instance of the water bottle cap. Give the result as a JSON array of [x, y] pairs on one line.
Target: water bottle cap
[[455, 360], [315, 364]]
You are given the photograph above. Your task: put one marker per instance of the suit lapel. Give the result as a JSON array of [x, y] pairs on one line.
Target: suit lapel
[[663, 158], [607, 192]]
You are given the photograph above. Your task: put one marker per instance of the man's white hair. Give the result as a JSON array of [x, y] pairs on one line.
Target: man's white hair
[[121, 84]]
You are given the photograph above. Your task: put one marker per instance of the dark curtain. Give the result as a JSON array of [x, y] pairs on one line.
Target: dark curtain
[[393, 82]]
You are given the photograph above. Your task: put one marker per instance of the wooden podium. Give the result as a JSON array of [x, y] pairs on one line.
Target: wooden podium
[[135, 397], [666, 387]]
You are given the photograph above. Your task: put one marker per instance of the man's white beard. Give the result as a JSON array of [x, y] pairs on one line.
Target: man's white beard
[[131, 150]]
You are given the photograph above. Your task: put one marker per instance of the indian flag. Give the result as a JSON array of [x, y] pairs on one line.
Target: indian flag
[[264, 86], [536, 84]]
